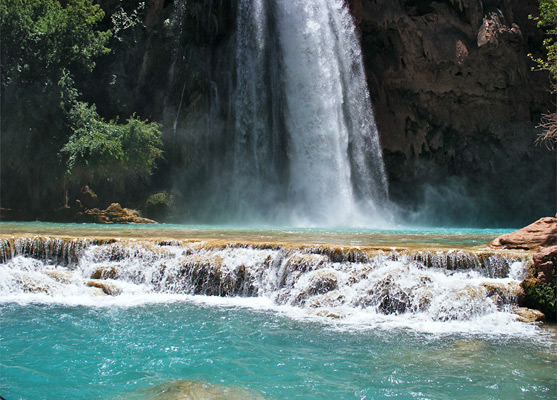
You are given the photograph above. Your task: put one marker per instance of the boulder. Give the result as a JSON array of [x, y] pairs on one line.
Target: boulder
[[528, 315], [114, 213], [503, 293], [87, 198], [543, 264], [108, 288], [541, 233], [323, 281], [105, 273], [160, 205]]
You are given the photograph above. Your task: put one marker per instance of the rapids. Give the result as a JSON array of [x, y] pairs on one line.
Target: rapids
[[345, 283]]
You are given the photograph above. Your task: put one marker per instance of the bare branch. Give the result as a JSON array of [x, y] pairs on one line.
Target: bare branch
[[549, 135]]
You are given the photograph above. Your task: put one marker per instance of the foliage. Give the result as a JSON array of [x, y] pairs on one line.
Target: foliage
[[547, 20], [41, 37], [48, 46], [542, 295], [107, 150], [125, 18]]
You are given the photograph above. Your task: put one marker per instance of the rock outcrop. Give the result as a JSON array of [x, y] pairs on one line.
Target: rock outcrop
[[457, 104], [541, 233], [528, 315], [114, 214], [540, 286]]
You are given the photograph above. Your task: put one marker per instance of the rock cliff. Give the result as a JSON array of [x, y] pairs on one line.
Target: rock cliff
[[455, 100], [457, 104]]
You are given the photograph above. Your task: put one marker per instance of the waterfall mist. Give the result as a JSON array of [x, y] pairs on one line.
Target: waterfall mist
[[290, 137]]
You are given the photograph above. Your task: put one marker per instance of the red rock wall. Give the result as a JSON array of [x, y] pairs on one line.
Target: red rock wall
[[456, 101]]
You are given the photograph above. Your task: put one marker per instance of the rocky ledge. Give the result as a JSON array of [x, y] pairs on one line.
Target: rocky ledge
[[542, 233], [540, 286], [114, 214]]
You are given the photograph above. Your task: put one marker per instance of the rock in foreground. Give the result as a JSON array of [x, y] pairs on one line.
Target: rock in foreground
[[541, 233], [193, 390]]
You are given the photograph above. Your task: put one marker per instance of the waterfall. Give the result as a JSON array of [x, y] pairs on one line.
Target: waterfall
[[349, 283], [305, 145]]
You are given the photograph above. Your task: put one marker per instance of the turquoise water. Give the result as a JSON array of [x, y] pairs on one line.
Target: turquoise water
[[150, 338], [65, 352], [400, 236]]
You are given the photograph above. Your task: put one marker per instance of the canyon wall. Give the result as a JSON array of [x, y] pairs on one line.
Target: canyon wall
[[454, 96], [457, 105]]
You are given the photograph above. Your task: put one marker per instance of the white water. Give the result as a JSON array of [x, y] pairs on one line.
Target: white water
[[389, 290], [306, 147]]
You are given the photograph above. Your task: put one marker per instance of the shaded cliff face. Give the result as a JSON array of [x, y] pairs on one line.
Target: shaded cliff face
[[457, 105]]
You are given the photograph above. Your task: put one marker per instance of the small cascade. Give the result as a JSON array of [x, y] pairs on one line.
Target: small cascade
[[317, 280]]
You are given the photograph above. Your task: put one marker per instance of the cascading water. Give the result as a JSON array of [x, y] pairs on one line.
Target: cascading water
[[306, 147], [415, 289]]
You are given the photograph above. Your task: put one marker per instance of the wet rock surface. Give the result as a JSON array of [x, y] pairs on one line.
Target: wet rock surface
[[529, 315], [540, 286]]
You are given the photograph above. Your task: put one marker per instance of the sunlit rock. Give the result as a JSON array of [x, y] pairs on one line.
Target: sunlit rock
[[108, 288], [114, 213], [543, 233], [528, 315]]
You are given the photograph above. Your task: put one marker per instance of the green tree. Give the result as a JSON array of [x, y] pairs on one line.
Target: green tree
[[43, 43], [547, 20], [48, 135], [107, 150]]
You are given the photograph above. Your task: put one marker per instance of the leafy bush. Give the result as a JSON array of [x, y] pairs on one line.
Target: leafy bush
[[542, 295], [108, 150]]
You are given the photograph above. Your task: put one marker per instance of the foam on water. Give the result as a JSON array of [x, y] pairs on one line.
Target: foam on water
[[306, 147], [443, 292]]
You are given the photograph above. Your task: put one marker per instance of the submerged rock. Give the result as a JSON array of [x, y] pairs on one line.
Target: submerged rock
[[30, 284], [193, 390], [541, 233]]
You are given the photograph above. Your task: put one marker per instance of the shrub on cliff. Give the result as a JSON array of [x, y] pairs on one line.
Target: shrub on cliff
[[547, 20], [98, 149]]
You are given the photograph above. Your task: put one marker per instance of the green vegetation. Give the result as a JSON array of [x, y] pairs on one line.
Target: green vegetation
[[108, 150], [49, 136], [547, 20], [542, 295]]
